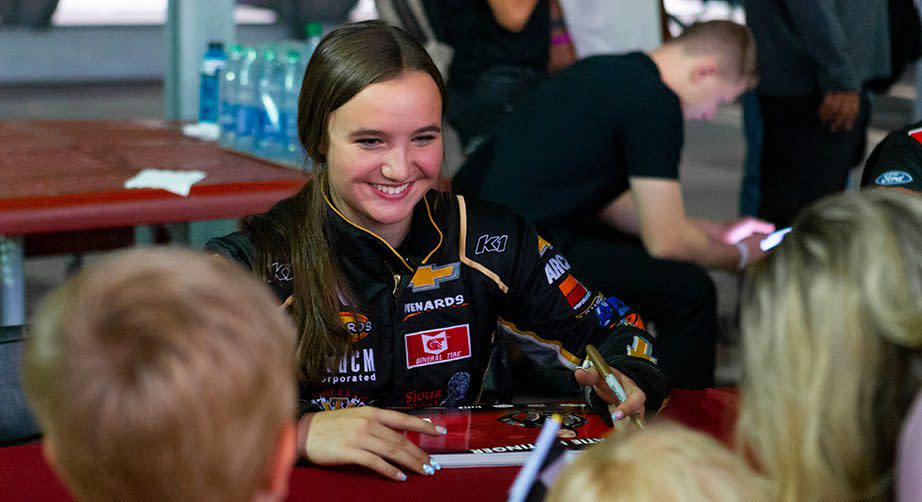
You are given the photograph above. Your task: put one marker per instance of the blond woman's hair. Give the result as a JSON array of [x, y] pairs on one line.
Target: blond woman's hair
[[161, 375], [664, 463], [832, 324], [732, 44]]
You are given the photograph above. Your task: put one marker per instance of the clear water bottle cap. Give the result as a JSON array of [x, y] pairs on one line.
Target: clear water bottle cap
[[215, 45]]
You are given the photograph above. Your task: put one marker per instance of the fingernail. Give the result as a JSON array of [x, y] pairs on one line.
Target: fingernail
[[441, 430], [428, 469], [401, 476], [617, 416], [435, 464]]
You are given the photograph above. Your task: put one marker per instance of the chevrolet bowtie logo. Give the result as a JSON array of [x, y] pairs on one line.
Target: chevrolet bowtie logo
[[431, 276]]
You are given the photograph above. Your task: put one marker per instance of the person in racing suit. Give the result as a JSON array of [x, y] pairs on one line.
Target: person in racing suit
[[426, 318], [397, 290]]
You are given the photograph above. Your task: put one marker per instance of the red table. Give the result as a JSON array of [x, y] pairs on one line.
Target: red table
[[58, 176], [25, 476]]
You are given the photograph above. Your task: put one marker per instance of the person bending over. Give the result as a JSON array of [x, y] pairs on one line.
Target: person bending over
[[397, 289], [164, 375], [591, 157]]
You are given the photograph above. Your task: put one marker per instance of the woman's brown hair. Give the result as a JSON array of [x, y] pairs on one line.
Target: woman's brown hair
[[346, 61]]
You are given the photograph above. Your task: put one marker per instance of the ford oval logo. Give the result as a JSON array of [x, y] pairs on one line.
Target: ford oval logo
[[894, 178]]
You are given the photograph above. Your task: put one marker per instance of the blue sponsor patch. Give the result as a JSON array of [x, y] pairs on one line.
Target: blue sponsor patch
[[605, 313], [618, 305], [891, 178]]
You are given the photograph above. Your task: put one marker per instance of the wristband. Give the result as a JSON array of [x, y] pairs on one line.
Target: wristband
[[561, 39], [744, 256]]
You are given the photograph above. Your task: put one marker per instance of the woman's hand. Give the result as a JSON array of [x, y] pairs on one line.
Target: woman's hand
[[366, 436], [633, 405]]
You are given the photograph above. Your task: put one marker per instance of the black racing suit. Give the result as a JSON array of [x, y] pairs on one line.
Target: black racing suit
[[428, 312]]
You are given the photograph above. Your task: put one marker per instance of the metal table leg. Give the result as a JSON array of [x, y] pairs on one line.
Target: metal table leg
[[12, 290]]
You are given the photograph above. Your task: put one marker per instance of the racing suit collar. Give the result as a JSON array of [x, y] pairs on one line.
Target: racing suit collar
[[423, 240]]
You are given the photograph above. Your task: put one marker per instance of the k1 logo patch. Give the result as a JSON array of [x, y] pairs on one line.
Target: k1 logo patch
[[436, 346], [281, 271], [491, 244]]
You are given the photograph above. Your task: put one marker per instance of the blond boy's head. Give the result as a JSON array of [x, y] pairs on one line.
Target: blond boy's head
[[663, 463], [164, 375]]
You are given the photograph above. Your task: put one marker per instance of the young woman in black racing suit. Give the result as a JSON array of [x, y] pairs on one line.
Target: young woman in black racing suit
[[398, 290]]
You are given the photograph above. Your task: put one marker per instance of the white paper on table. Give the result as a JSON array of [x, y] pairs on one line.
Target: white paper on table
[[202, 130], [178, 182]]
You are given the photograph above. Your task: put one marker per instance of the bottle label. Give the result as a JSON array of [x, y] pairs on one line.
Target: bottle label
[[227, 118], [208, 100], [247, 121], [212, 67], [290, 126]]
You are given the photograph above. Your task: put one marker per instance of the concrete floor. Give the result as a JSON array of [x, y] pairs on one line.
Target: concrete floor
[[710, 171]]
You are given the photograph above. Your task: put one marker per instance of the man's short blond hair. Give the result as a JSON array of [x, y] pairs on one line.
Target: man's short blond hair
[[732, 44], [663, 463], [161, 375]]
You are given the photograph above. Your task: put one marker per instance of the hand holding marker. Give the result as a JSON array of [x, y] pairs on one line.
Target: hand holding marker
[[598, 362]]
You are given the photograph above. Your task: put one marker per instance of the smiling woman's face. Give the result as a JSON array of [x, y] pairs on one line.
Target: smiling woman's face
[[385, 152]]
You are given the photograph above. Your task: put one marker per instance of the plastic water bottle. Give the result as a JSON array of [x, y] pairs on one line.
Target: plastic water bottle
[[313, 32], [212, 64], [227, 112], [248, 109], [291, 89], [271, 137]]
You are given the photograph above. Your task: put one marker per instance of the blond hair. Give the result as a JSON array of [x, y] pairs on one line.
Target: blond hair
[[664, 462], [161, 375], [832, 322], [732, 44]]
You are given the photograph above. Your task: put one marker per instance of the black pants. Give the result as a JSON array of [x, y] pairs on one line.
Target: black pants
[[678, 297], [802, 160]]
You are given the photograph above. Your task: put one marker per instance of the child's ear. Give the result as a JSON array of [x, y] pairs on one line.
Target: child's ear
[[281, 462], [50, 452]]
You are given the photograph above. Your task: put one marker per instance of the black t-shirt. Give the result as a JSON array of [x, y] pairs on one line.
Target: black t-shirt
[[480, 42], [897, 160], [570, 146]]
